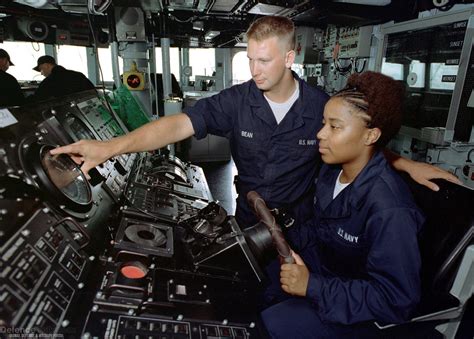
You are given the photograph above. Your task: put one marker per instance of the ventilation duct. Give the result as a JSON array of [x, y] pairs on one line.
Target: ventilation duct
[[130, 24]]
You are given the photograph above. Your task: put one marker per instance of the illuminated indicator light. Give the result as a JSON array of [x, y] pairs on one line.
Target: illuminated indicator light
[[132, 272], [134, 81]]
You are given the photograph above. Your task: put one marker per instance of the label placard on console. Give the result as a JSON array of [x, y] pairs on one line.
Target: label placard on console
[[6, 118]]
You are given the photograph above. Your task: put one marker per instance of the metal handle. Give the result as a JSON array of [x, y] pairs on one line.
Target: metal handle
[[79, 227]]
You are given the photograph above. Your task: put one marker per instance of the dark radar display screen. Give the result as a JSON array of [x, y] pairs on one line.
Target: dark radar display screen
[[427, 62], [67, 177]]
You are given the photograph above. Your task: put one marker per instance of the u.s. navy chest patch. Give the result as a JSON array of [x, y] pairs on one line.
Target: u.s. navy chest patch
[[307, 142], [347, 237]]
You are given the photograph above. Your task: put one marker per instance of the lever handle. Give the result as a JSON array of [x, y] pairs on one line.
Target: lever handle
[[263, 213]]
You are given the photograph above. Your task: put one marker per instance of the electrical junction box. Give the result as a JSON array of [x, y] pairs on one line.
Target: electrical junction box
[[354, 42], [308, 45]]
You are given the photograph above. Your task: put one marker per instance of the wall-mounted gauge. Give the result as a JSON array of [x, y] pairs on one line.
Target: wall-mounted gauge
[[60, 177], [187, 71]]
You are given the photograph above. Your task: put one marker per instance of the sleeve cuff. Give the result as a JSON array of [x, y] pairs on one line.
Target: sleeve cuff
[[313, 291]]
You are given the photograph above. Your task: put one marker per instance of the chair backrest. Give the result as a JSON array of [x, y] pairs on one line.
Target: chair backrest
[[448, 230]]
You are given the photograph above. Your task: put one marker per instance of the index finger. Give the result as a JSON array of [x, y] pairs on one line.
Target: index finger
[[452, 178], [68, 149], [443, 174]]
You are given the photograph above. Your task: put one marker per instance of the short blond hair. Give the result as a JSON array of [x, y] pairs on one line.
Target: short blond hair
[[273, 26]]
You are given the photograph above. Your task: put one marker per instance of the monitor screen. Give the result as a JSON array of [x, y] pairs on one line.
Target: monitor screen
[[426, 61]]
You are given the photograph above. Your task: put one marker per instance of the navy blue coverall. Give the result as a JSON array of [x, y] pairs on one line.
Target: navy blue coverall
[[279, 161], [10, 90], [362, 253], [59, 83]]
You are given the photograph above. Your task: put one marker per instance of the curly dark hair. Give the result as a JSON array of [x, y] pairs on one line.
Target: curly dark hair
[[378, 99]]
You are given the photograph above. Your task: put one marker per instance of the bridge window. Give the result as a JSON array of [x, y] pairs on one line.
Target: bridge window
[[203, 61], [24, 55], [174, 61], [240, 68], [105, 59], [73, 58]]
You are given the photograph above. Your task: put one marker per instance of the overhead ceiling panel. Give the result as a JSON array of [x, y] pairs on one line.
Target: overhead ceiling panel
[[224, 5], [152, 5], [181, 4]]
